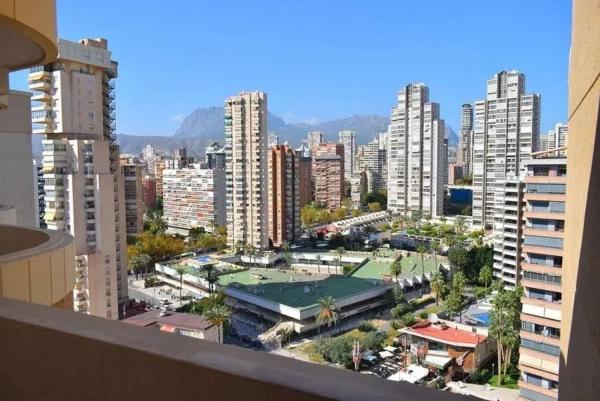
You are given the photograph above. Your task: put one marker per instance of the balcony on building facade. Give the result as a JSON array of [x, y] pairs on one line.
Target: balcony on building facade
[[36, 265]]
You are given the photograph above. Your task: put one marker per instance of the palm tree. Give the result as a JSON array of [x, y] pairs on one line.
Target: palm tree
[[421, 249], [339, 252], [180, 270], [459, 225], [319, 264], [486, 276], [218, 315], [396, 270], [327, 313], [435, 247], [437, 285]]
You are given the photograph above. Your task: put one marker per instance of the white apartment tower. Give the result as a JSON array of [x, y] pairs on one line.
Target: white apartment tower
[[556, 138], [466, 132], [505, 133], [315, 138], [246, 164], [416, 161], [84, 185], [348, 139]]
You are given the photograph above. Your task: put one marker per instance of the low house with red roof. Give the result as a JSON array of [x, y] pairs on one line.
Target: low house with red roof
[[437, 344], [186, 324]]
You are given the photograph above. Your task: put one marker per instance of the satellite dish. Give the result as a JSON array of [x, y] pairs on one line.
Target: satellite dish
[[433, 318]]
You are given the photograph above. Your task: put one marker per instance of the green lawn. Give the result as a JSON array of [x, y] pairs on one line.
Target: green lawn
[[507, 382], [411, 266]]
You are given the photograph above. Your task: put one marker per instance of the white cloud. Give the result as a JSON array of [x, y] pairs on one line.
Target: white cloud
[[178, 118]]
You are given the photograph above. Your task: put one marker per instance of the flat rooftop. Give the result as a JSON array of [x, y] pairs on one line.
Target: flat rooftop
[[295, 289], [377, 268]]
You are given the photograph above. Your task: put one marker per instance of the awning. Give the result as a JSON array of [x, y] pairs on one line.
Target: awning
[[370, 358], [385, 354], [47, 169], [167, 328], [437, 361], [389, 348], [49, 216]]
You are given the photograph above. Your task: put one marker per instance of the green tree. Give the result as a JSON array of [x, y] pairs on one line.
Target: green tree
[[396, 270], [135, 265], [438, 284], [486, 275], [453, 302], [458, 257], [218, 315], [504, 327], [208, 273], [287, 256], [180, 270], [459, 282], [327, 313]]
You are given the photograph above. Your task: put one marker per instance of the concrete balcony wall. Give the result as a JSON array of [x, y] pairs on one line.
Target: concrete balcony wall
[[37, 266], [51, 354]]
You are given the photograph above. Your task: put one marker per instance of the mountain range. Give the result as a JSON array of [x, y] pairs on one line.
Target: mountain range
[[205, 125]]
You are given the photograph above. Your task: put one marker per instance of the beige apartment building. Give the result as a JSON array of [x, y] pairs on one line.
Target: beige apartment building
[[328, 174], [284, 195], [246, 170], [194, 197], [133, 186], [542, 270], [84, 187]]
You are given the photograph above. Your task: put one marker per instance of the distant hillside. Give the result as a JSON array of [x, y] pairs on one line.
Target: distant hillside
[[205, 125]]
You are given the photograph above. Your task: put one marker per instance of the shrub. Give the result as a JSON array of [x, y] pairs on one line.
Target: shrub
[[423, 314], [480, 292], [366, 326], [347, 269], [399, 310], [151, 281], [374, 341], [337, 350], [397, 324], [408, 319]]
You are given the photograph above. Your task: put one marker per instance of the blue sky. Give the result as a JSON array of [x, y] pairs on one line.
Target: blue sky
[[318, 59]]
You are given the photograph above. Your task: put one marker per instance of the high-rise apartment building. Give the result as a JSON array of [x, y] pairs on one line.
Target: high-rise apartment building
[[416, 158], [358, 188], [455, 172], [284, 195], [134, 207], [505, 133], [348, 139], [555, 138], [464, 153], [84, 188], [328, 173], [247, 169], [374, 162], [159, 167], [38, 187], [194, 197], [305, 177], [542, 275], [507, 232], [215, 156], [315, 138], [273, 139], [148, 192]]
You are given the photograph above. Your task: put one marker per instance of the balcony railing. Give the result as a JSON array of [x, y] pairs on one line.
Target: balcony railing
[[110, 360]]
